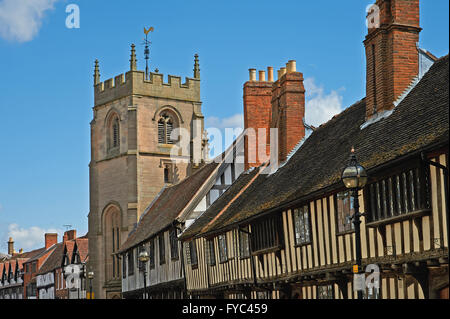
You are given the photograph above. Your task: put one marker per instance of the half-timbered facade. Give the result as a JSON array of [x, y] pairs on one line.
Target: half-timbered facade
[[172, 211], [290, 234], [11, 282]]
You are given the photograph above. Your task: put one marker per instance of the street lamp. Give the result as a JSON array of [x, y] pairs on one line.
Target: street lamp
[[355, 178], [90, 276], [144, 258]]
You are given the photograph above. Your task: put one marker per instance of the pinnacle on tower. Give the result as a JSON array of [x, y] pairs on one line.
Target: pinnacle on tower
[[196, 68], [96, 73], [133, 60]]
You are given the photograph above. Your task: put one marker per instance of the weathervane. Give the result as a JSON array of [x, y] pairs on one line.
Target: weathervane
[[147, 50]]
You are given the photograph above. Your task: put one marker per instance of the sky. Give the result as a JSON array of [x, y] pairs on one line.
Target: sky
[[46, 78]]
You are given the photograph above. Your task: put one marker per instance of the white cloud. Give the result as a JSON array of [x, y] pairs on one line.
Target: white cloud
[[235, 121], [219, 135], [320, 106], [20, 20], [30, 238]]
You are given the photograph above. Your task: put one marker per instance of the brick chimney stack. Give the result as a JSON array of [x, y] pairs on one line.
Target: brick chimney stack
[[288, 109], [391, 52], [50, 240], [11, 247], [257, 114], [70, 235]]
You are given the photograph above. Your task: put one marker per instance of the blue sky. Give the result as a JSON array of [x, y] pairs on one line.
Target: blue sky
[[46, 80]]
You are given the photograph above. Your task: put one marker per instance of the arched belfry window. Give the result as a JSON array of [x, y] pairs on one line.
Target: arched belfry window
[[114, 132], [166, 124]]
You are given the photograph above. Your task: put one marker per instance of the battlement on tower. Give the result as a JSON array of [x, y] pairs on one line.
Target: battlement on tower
[[134, 83]]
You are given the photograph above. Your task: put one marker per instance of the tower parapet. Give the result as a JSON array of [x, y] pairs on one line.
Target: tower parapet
[[133, 83]]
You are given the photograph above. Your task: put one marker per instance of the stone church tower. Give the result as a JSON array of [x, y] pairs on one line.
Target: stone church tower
[[131, 147]]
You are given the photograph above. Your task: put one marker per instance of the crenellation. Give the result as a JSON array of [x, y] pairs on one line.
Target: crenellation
[[134, 83], [119, 80]]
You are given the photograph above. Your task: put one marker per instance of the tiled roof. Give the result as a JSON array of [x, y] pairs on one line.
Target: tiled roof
[[168, 206], [53, 261], [82, 245], [419, 121]]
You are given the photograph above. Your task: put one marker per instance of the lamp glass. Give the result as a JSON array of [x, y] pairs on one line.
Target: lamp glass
[[354, 176], [143, 256]]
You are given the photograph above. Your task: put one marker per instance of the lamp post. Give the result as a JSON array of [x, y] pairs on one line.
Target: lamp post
[[144, 258], [354, 177], [90, 276]]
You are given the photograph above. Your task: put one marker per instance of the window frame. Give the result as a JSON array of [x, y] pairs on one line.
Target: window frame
[[307, 229], [223, 250], [192, 245], [262, 241], [243, 235], [398, 188], [210, 252], [337, 213], [329, 291], [173, 238], [162, 249], [151, 253], [130, 262]]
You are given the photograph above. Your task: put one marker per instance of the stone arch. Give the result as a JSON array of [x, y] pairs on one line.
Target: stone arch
[[168, 107], [111, 234]]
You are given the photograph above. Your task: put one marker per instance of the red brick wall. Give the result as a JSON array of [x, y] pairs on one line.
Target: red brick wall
[[393, 49], [257, 114], [288, 107]]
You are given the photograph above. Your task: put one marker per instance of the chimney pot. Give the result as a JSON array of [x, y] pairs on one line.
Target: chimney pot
[[252, 75], [10, 246], [291, 66], [270, 74], [262, 76]]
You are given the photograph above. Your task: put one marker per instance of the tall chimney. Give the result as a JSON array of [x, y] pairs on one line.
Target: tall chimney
[[257, 115], [50, 240], [392, 58], [288, 109], [10, 246]]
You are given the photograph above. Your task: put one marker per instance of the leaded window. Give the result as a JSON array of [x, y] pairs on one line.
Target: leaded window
[[131, 263], [223, 248], [244, 243], [173, 244], [210, 252], [193, 259], [345, 211], [152, 253], [302, 226], [325, 292], [399, 194], [162, 249]]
